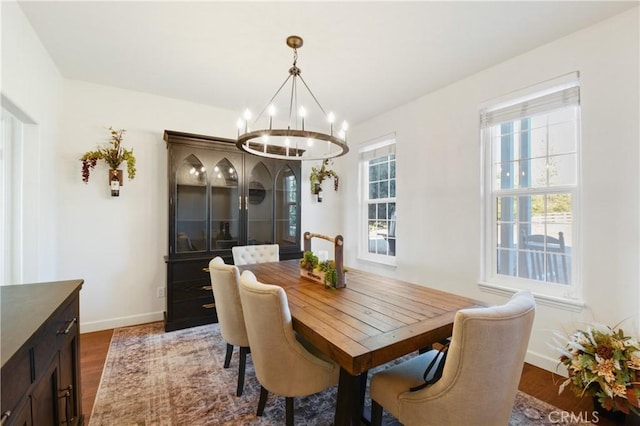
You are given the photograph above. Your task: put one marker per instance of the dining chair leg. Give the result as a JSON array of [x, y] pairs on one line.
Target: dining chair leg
[[227, 358], [289, 410], [376, 414], [262, 401], [241, 368]]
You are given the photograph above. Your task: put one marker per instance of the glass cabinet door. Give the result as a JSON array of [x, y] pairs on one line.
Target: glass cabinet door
[[286, 211], [191, 206], [260, 206], [225, 199]]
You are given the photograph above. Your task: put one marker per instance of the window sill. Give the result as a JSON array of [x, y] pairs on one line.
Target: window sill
[[382, 260], [571, 305]]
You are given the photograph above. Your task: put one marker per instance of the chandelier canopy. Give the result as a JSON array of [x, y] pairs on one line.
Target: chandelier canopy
[[291, 141]]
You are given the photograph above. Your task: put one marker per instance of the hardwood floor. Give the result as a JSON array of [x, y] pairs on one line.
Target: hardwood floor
[[93, 353], [535, 381]]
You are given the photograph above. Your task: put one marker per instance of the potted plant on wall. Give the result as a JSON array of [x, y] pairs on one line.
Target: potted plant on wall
[[113, 154], [318, 175]]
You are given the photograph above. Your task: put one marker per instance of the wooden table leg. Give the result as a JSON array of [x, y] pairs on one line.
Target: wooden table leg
[[350, 399]]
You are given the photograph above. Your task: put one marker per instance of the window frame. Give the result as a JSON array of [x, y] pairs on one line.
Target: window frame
[[386, 146], [566, 295]]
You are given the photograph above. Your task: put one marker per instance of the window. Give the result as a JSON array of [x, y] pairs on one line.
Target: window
[[378, 189], [292, 205], [531, 189]]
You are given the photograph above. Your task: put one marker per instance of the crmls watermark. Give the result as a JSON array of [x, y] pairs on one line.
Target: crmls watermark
[[569, 417]]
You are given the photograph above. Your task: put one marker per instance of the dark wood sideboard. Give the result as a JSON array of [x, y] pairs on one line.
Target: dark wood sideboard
[[40, 350]]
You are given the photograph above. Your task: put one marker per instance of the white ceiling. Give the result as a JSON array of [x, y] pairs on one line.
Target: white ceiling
[[359, 58]]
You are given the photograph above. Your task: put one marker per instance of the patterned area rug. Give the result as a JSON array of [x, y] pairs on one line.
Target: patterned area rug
[[155, 378]]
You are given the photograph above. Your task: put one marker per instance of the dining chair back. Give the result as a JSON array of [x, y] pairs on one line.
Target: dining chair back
[[480, 376], [224, 284], [260, 253], [284, 365], [545, 258]]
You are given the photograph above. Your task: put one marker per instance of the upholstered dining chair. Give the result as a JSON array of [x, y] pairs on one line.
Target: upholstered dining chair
[[224, 283], [246, 255], [480, 377], [283, 365]]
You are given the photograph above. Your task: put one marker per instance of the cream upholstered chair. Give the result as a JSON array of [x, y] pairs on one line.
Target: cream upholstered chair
[[283, 365], [480, 377], [246, 255], [224, 283]]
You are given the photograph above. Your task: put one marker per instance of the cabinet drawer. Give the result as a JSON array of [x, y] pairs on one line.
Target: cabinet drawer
[[50, 340], [183, 271], [188, 290], [201, 307], [15, 380]]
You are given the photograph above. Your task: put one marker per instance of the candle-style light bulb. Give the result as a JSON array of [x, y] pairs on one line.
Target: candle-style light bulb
[[343, 132], [331, 118], [271, 111], [302, 113], [247, 117], [240, 125]]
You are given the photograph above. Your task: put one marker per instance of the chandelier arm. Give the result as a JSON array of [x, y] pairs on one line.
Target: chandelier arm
[[293, 94], [272, 98], [312, 95]]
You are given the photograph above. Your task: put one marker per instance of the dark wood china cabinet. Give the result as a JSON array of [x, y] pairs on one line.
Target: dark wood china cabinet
[[220, 197]]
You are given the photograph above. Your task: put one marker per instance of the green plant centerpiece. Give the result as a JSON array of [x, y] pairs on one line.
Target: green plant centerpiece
[[113, 154], [319, 174], [331, 273], [324, 272]]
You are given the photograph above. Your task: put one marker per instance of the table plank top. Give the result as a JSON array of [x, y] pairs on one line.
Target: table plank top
[[372, 321]]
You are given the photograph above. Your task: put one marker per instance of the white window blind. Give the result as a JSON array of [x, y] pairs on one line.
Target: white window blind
[[558, 93], [379, 149]]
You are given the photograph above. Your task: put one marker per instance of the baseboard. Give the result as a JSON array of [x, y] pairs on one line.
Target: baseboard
[[545, 362], [88, 327]]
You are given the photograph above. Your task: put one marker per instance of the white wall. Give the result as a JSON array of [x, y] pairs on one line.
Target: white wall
[[31, 89], [439, 177]]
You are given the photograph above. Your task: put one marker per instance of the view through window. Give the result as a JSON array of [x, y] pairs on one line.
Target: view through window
[[532, 169], [378, 180]]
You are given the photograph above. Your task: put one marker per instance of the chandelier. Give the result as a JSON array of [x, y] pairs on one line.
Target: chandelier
[[291, 141]]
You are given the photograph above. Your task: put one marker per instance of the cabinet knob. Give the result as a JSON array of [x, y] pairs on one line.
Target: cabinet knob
[[5, 416], [209, 305], [206, 287], [205, 270]]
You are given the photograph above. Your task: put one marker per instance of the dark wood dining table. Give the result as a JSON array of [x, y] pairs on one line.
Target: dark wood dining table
[[372, 321]]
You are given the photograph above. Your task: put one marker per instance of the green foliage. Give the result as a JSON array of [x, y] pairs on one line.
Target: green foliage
[[113, 154], [318, 175], [309, 261]]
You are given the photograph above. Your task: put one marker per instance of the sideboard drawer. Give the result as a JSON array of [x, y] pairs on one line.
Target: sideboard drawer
[[16, 379], [51, 338], [203, 307], [183, 271], [186, 290]]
